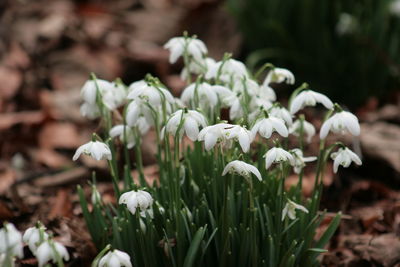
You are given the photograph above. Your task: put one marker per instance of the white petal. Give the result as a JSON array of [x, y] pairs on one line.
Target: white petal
[[270, 157], [191, 128], [326, 126]]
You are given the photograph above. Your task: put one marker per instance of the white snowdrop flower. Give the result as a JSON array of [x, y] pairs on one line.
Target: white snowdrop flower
[[191, 121], [115, 258], [178, 46], [266, 92], [240, 134], [213, 134], [236, 110], [95, 149], [344, 157], [246, 85], [48, 251], [266, 126], [115, 96], [227, 70], [138, 109], [90, 111], [203, 92], [308, 129], [33, 239], [277, 155], [282, 113], [89, 90], [339, 123], [118, 130], [112, 94], [149, 93], [197, 67], [11, 241], [347, 24], [290, 210], [241, 168], [309, 98], [299, 160], [259, 104], [225, 95], [279, 75], [136, 85], [136, 199]]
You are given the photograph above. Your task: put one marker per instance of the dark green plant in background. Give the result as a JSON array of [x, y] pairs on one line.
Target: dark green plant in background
[[347, 49]]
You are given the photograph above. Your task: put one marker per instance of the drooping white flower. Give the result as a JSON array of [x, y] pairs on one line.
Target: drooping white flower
[[266, 92], [282, 113], [227, 70], [214, 134], [344, 157], [246, 85], [127, 137], [241, 168], [202, 92], [90, 111], [266, 126], [114, 97], [339, 123], [259, 104], [115, 258], [308, 129], [138, 109], [225, 95], [112, 93], [136, 199], [11, 241], [277, 155], [299, 160], [149, 93], [290, 210], [95, 149], [236, 108], [279, 75], [118, 130], [32, 237], [178, 46], [240, 134], [92, 87], [309, 98], [191, 121], [197, 67], [48, 250]]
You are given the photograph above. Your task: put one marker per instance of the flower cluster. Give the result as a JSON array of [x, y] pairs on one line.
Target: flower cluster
[[42, 246], [226, 121]]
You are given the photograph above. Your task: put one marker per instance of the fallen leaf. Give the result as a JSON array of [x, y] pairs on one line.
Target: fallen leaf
[[59, 135], [61, 205], [50, 158], [25, 117], [7, 179]]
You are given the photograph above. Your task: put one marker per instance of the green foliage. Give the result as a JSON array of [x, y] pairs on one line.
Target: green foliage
[[361, 61], [202, 218]]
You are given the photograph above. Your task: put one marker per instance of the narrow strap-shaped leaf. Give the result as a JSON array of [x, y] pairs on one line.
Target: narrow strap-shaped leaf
[[194, 247]]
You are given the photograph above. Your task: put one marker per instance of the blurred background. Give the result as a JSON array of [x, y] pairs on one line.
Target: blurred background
[[349, 50]]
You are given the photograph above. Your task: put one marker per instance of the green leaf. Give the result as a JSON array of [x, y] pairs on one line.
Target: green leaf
[[194, 247]]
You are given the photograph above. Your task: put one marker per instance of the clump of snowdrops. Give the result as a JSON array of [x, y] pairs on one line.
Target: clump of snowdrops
[[220, 197]]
